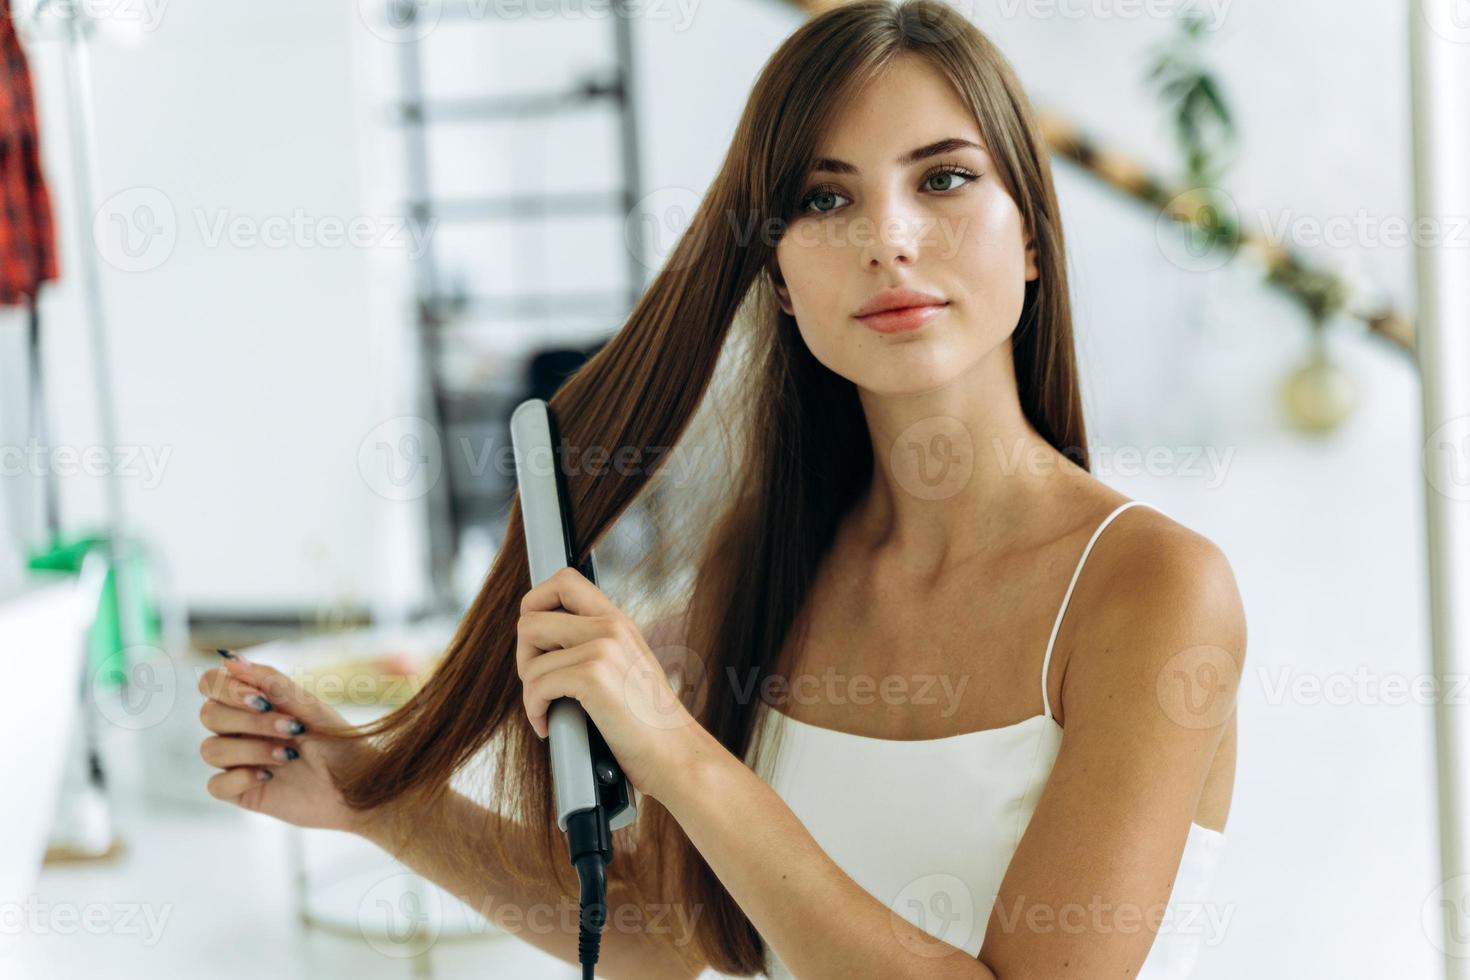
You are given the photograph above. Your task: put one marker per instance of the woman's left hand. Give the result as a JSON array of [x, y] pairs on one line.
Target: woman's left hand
[[572, 641]]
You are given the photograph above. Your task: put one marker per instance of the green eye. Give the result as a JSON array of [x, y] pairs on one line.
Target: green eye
[[945, 170], [815, 195]]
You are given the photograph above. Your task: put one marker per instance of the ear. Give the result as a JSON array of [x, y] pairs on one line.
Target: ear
[[1032, 270], [782, 293]]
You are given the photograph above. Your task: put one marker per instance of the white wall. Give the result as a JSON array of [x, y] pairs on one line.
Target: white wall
[[250, 366]]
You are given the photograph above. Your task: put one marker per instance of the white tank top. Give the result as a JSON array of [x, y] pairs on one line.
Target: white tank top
[[962, 802]]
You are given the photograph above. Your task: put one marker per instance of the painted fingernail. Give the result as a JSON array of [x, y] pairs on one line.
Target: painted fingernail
[[290, 726], [260, 703], [226, 654], [265, 774], [286, 753]]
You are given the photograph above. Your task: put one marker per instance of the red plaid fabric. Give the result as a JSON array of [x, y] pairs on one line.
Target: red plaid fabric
[[27, 243]]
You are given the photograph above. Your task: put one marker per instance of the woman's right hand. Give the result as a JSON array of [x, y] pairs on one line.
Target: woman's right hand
[[252, 710]]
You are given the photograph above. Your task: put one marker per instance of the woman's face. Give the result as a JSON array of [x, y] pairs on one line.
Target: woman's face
[[874, 218]]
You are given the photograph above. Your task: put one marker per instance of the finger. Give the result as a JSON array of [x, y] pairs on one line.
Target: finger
[[538, 632], [228, 751], [284, 693], [232, 784], [220, 685], [556, 677], [568, 589], [224, 720]]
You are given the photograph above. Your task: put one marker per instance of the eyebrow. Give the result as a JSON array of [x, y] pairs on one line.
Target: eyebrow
[[829, 166]]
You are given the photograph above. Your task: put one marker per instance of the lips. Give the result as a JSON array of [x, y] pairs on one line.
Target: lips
[[899, 320], [898, 299], [897, 310]]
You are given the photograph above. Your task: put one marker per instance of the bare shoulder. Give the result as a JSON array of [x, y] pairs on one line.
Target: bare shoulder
[[1157, 569], [1159, 600]]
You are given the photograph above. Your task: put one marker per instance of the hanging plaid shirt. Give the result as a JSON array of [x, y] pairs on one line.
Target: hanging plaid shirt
[[27, 245]]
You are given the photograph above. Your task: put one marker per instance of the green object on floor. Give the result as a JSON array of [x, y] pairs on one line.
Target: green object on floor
[[107, 655]]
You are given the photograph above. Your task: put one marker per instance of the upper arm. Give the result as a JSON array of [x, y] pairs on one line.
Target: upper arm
[[1150, 691]]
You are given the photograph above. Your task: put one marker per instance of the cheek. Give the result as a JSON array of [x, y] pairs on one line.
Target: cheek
[[812, 281], [989, 258]]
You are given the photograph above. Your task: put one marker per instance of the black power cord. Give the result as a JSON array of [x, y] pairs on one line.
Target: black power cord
[[590, 842]]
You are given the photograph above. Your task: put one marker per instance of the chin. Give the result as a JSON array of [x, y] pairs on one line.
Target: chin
[[896, 380]]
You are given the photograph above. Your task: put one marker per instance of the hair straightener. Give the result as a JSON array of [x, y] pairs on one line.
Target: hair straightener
[[592, 793]]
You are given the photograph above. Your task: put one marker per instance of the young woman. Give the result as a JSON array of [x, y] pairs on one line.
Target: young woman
[[997, 741]]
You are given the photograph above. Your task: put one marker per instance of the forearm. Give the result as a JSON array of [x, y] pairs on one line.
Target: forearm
[[817, 919], [540, 913]]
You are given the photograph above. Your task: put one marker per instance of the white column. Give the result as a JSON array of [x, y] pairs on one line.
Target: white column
[[1439, 37]]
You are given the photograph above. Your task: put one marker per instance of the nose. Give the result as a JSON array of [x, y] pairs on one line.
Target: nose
[[893, 235]]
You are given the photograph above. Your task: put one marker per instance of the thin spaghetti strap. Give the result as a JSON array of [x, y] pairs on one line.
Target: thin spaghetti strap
[[1056, 626]]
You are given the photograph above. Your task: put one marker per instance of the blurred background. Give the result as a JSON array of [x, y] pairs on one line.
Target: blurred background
[[288, 266]]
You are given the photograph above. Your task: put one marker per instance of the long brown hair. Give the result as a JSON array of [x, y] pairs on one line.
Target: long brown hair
[[800, 455]]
